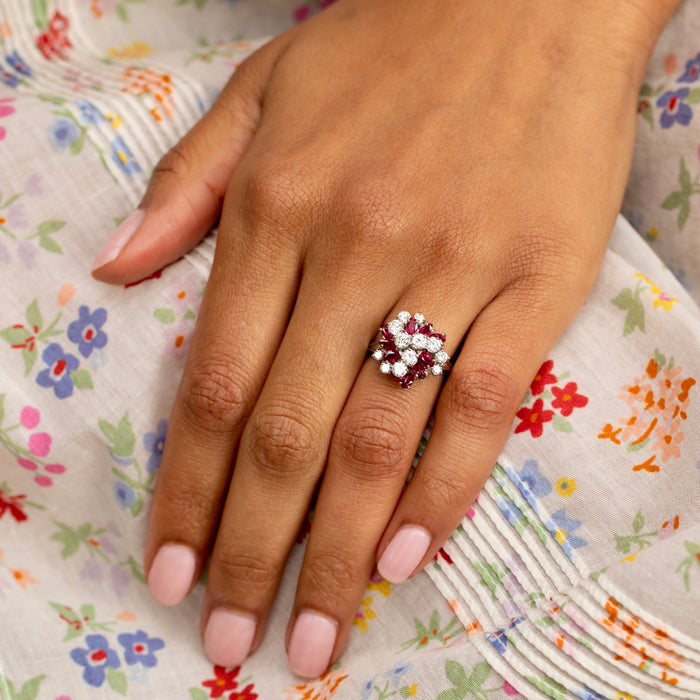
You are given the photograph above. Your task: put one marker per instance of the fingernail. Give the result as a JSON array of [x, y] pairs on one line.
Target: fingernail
[[228, 637], [171, 573], [122, 235], [311, 644], [404, 553]]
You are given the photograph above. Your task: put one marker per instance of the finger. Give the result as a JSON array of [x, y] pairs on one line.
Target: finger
[[184, 197], [371, 451], [281, 457], [505, 346], [244, 312]]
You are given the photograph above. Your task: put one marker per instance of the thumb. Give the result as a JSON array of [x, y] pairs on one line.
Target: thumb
[[186, 191]]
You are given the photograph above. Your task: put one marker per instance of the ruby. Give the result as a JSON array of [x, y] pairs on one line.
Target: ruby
[[59, 367], [407, 380], [420, 372], [425, 358], [412, 326], [386, 332], [99, 655], [392, 357], [388, 345], [442, 336]]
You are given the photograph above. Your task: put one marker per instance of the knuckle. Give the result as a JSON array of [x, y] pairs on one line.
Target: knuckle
[[215, 397], [281, 443], [481, 397], [177, 162], [185, 504], [229, 567], [442, 495], [372, 443], [333, 575]]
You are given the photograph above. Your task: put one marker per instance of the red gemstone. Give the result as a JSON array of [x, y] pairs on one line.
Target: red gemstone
[[388, 345], [420, 372], [425, 358], [386, 332], [392, 357], [442, 336], [407, 380], [426, 330], [412, 326]]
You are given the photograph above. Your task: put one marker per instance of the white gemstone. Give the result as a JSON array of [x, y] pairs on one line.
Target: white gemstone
[[404, 316], [419, 341], [402, 340], [441, 357], [395, 326], [410, 357], [420, 318], [436, 369], [385, 368], [378, 355], [399, 369], [434, 344]]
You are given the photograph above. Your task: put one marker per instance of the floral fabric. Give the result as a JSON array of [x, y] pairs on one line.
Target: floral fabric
[[576, 574]]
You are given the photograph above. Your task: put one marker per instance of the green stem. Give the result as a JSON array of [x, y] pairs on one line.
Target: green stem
[[4, 229]]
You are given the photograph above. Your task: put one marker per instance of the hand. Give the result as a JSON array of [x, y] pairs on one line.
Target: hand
[[463, 159]]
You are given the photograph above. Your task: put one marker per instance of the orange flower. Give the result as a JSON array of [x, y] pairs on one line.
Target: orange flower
[[647, 466], [322, 689], [23, 577], [668, 441], [610, 434]]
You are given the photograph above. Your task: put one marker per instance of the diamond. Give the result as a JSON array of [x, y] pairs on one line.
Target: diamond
[[378, 355], [404, 316], [420, 318], [442, 357], [434, 345], [419, 341], [395, 326], [436, 369], [409, 357], [403, 340], [399, 369], [385, 368]]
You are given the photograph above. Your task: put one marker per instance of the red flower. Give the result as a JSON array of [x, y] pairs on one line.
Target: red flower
[[533, 418], [55, 39], [14, 505], [543, 377], [225, 680], [442, 554], [567, 399], [245, 694]]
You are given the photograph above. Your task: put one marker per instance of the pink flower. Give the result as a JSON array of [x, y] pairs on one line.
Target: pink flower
[[55, 468], [668, 441], [5, 108], [30, 417], [27, 464], [43, 480], [40, 444]]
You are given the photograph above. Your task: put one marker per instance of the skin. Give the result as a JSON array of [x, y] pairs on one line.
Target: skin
[[465, 159]]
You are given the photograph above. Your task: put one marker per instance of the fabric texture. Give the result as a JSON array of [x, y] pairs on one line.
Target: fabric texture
[[576, 574]]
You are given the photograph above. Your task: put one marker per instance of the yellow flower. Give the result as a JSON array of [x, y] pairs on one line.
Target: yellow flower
[[566, 486], [653, 233], [412, 689], [664, 301], [630, 557], [623, 696], [383, 586], [114, 119], [364, 613], [136, 50]]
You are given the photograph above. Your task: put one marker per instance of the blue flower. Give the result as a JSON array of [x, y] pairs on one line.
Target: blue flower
[[15, 60], [139, 648], [89, 112], [692, 70], [368, 688], [57, 374], [86, 332], [588, 694], [62, 133], [399, 670], [562, 526], [124, 494], [8, 78], [675, 110], [96, 658], [498, 640], [154, 443], [123, 157], [530, 482], [510, 510]]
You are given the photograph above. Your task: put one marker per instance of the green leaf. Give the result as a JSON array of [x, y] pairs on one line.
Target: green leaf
[[189, 315], [31, 688], [10, 687], [117, 681], [632, 447], [659, 358], [545, 621], [624, 299], [684, 177], [450, 695], [15, 336], [198, 694], [683, 214], [549, 687], [50, 226], [70, 615], [635, 318], [48, 243], [70, 541], [455, 674], [638, 522], [622, 544], [561, 424], [84, 531], [674, 200], [671, 362], [40, 11], [77, 145], [645, 90], [33, 316], [121, 436], [136, 507], [82, 378], [136, 569], [88, 611], [648, 115], [692, 548], [434, 621], [123, 13], [29, 357], [693, 96], [479, 674], [165, 315]]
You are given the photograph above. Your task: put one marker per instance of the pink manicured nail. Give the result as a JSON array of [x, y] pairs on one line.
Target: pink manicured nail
[[404, 553], [228, 637], [171, 573], [121, 236], [311, 644]]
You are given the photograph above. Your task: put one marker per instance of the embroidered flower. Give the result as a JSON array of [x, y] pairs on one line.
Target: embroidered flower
[[15, 60], [13, 505], [224, 681], [692, 70], [364, 613], [562, 527], [23, 578], [154, 443], [533, 419], [89, 113], [668, 441], [8, 78], [57, 374], [124, 494], [498, 640], [530, 482], [674, 108], [123, 157], [543, 377], [510, 510], [397, 672], [96, 659], [62, 133], [139, 648], [567, 399], [86, 332], [566, 486]]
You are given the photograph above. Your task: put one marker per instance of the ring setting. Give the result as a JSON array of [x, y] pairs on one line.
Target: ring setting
[[410, 348]]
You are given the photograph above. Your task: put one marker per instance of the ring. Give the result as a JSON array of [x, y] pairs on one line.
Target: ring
[[409, 349]]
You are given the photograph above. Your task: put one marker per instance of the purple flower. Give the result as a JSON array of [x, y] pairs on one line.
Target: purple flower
[[396, 674], [139, 648], [86, 332], [675, 110], [89, 112], [692, 70], [562, 526], [120, 580], [530, 482], [91, 571], [123, 157], [57, 374], [510, 510], [62, 133], [27, 253], [124, 494], [96, 658], [8, 78], [154, 443], [15, 60]]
